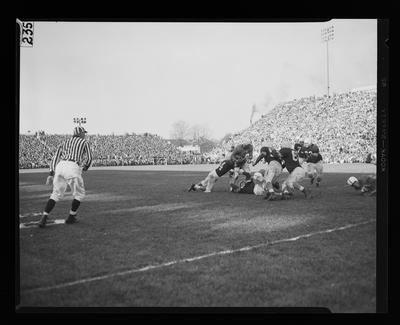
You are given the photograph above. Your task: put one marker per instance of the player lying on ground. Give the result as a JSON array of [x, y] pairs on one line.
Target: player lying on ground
[[272, 172], [236, 162], [290, 161], [251, 184], [365, 184]]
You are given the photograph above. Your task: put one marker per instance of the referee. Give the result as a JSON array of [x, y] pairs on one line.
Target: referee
[[73, 156]]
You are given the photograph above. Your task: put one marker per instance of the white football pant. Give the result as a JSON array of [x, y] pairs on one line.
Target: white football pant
[[68, 173]]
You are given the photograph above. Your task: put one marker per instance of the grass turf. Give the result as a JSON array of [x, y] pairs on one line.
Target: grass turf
[[132, 219]]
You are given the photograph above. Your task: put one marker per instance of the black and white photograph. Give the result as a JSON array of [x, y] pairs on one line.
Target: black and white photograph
[[199, 163]]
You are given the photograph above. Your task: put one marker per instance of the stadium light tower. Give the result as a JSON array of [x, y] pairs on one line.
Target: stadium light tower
[[79, 120], [327, 35]]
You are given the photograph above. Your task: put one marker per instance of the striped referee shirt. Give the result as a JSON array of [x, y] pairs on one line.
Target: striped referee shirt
[[74, 149]]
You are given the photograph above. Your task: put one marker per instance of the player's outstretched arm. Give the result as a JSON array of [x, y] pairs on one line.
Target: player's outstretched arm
[[261, 156]]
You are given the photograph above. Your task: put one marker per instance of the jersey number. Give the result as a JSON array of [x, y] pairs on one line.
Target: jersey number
[[222, 165]]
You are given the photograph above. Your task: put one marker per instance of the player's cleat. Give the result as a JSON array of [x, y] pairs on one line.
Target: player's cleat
[[317, 184], [192, 188], [71, 219], [43, 221]]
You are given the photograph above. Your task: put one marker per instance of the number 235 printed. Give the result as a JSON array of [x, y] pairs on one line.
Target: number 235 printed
[[27, 34]]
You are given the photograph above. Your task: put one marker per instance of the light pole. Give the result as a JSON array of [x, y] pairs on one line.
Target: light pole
[[327, 34], [79, 120]]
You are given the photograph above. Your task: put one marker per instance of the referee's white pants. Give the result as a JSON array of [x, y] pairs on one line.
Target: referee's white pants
[[68, 173]]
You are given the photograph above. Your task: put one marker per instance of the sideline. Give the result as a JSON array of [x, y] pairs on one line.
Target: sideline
[[328, 168]]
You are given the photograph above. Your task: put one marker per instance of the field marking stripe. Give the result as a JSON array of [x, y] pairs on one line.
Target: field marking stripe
[[191, 259], [30, 214], [34, 224]]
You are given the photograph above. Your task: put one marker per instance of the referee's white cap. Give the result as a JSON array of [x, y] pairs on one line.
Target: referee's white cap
[[79, 130]]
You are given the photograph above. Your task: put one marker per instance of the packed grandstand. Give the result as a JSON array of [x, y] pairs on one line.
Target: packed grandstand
[[342, 125]]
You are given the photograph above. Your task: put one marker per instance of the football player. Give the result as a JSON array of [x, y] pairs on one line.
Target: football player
[[208, 183], [236, 162], [273, 171], [303, 149], [365, 184], [242, 155], [254, 184], [290, 161], [314, 166], [299, 147]]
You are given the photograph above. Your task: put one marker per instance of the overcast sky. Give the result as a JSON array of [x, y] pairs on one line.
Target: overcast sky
[[142, 77]]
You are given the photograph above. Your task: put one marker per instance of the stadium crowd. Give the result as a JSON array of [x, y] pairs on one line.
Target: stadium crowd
[[107, 150], [343, 126]]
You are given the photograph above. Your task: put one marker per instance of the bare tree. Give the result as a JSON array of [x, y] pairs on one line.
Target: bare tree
[[180, 131], [198, 132]]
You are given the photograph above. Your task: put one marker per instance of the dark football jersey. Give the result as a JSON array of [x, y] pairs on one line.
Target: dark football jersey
[[298, 146], [290, 159], [225, 167], [268, 154], [313, 148], [247, 187], [314, 158], [304, 152]]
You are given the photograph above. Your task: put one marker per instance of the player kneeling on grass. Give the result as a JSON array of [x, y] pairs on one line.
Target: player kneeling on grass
[[366, 184], [272, 172], [66, 170], [290, 161]]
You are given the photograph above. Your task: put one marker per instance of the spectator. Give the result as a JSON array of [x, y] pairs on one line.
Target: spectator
[[108, 150], [343, 126]]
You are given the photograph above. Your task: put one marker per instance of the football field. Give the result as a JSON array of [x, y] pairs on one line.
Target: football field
[[143, 241]]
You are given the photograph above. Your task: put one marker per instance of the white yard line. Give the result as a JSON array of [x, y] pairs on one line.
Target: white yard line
[[34, 214], [34, 224], [191, 259]]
